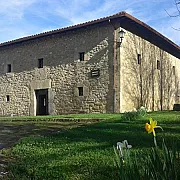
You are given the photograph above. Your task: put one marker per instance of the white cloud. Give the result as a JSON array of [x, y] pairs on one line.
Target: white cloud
[[25, 17], [79, 10], [14, 9]]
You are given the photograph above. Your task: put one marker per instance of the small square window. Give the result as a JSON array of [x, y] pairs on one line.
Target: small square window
[[139, 59], [40, 63], [81, 56], [80, 89], [7, 98], [174, 70], [158, 65], [9, 68]]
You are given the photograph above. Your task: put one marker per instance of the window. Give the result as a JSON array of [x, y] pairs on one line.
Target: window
[[173, 70], [9, 68], [139, 59], [40, 63], [158, 65], [7, 98], [81, 56], [80, 89]]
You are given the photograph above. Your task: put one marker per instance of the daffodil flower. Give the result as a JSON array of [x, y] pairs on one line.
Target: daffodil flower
[[122, 145], [150, 127]]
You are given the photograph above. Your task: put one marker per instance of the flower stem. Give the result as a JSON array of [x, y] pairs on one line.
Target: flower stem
[[163, 138], [155, 143]]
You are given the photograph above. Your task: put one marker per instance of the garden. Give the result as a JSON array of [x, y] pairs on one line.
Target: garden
[[133, 145]]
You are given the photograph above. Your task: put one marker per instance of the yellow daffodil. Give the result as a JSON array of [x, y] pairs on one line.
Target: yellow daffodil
[[150, 127]]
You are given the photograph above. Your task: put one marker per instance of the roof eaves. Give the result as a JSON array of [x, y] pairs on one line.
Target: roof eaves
[[117, 15], [62, 29], [151, 29]]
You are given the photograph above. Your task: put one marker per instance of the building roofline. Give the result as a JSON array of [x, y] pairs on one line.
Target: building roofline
[[151, 29], [117, 15]]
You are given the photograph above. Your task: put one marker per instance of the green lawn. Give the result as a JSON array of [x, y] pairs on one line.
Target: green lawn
[[87, 152], [60, 117]]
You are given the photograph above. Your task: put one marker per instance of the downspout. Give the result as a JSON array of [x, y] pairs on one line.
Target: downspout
[[120, 76], [161, 76], [114, 69], [153, 79], [115, 64]]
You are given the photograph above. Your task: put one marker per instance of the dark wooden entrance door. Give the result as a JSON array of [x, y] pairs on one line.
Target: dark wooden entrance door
[[42, 102]]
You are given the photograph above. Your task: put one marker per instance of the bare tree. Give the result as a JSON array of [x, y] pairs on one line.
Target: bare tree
[[177, 6]]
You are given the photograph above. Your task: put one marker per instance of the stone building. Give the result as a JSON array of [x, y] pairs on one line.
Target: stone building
[[86, 69]]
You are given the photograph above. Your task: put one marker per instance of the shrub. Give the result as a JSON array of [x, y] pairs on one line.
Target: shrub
[[142, 111], [130, 116], [134, 115]]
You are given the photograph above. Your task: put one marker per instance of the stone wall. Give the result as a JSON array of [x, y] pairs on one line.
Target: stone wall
[[62, 73], [144, 84]]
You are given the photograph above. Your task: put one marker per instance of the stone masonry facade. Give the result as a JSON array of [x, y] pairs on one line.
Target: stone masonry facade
[[153, 82], [53, 72], [62, 72]]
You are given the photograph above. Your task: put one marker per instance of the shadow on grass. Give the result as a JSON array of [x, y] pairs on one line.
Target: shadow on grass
[[111, 133], [84, 152]]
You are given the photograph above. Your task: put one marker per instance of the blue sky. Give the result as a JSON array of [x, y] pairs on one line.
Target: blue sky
[[21, 18]]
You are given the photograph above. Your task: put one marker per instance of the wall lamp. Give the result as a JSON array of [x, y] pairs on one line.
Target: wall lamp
[[121, 36]]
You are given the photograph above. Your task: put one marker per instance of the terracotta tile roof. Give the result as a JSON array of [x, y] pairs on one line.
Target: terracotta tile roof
[[118, 15], [62, 29]]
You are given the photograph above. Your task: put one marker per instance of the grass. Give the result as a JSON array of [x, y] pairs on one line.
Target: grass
[[87, 152], [60, 117]]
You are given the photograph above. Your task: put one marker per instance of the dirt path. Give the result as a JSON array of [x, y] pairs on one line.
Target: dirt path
[[12, 132], [9, 135]]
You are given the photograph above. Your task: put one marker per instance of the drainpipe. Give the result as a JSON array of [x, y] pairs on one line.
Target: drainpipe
[[161, 76], [114, 68], [120, 76], [114, 71]]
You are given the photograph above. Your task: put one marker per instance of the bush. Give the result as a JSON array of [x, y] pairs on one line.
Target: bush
[[130, 116], [142, 111], [134, 115]]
